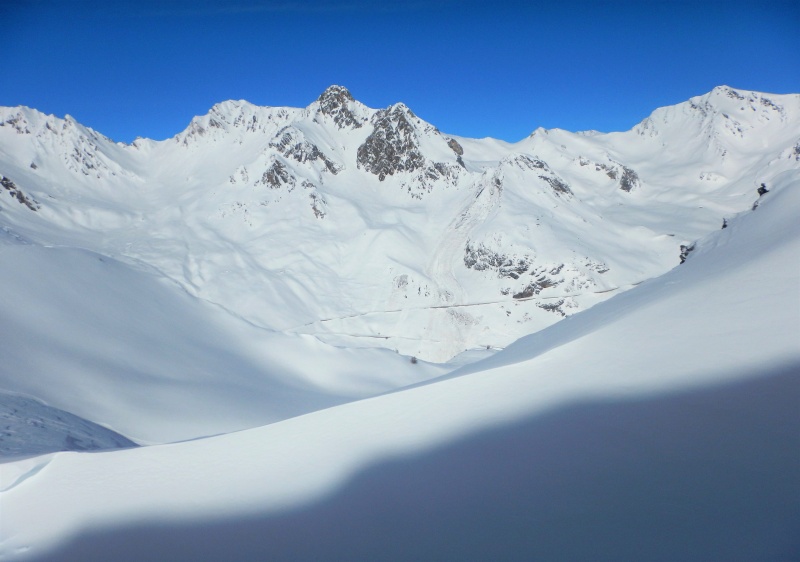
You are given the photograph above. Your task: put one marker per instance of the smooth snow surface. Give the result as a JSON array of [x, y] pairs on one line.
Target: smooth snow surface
[[123, 347], [659, 425], [28, 427]]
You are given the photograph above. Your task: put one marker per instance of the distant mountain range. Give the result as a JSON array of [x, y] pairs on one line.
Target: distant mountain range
[[372, 228]]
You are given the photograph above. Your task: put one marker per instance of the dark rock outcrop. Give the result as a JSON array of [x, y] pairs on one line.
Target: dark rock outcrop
[[686, 249], [554, 307], [392, 146], [17, 193], [292, 144], [277, 175], [481, 258], [335, 102], [558, 185], [629, 179]]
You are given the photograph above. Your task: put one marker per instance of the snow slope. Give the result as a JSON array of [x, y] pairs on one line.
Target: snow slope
[[28, 427], [659, 425], [372, 228], [124, 347]]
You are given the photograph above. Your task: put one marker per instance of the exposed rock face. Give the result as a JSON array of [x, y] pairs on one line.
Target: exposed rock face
[[457, 148], [481, 258], [393, 146], [15, 192], [277, 175], [558, 185], [629, 179], [292, 144], [335, 102]]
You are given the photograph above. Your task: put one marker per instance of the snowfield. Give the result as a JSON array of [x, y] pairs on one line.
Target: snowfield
[[127, 349], [656, 421]]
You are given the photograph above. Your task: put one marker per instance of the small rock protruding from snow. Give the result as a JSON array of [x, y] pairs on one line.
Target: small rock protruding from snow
[[686, 249], [762, 190]]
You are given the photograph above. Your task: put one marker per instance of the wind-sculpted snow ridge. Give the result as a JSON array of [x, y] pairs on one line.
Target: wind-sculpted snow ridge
[[345, 222], [658, 425]]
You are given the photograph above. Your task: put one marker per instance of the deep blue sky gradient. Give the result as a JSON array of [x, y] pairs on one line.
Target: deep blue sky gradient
[[471, 68]]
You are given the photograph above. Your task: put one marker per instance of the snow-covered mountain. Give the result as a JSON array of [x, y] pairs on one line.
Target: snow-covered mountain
[[232, 299], [372, 228], [658, 425]]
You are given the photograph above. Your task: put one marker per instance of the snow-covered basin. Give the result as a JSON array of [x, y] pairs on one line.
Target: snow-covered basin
[[123, 347], [729, 314]]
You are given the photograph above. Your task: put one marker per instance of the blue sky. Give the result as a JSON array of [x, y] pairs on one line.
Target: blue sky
[[471, 68]]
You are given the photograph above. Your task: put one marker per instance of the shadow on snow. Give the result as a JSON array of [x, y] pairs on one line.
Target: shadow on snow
[[711, 474]]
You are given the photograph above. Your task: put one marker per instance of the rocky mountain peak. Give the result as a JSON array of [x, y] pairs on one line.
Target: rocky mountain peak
[[336, 95], [401, 110], [336, 102], [393, 145]]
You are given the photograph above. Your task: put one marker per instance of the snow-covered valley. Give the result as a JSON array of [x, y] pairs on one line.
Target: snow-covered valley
[[371, 228], [340, 333]]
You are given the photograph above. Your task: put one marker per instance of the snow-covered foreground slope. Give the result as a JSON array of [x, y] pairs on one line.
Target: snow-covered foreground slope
[[659, 425], [28, 427], [123, 347], [372, 228]]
